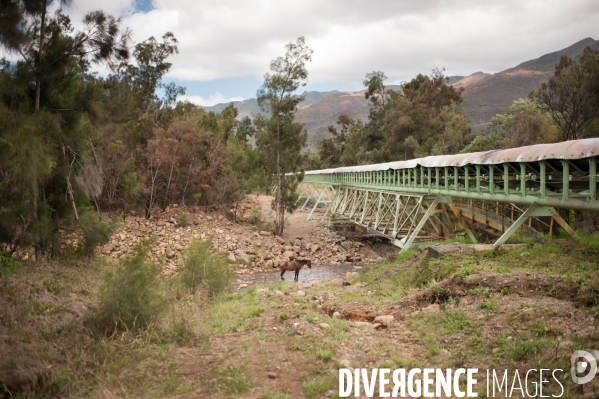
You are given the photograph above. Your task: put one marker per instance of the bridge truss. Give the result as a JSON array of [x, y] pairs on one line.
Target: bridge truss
[[409, 201]]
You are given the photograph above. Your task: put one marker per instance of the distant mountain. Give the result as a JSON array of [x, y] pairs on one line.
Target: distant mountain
[[485, 95], [546, 63]]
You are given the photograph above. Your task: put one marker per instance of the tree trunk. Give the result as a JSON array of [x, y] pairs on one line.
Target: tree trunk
[[279, 209], [38, 81], [38, 72], [37, 239]]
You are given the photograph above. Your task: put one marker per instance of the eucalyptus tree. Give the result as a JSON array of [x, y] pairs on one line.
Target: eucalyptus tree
[[282, 139], [571, 96]]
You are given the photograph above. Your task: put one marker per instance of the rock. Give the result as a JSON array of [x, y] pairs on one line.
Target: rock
[[269, 264], [337, 281], [280, 240], [346, 245], [174, 221], [315, 248], [179, 247], [350, 276], [289, 254], [376, 326], [220, 217], [324, 326], [272, 375], [432, 308], [231, 257], [209, 218], [265, 233], [362, 324], [132, 213], [385, 320], [336, 315], [170, 254], [279, 293], [242, 257], [300, 293], [345, 362]]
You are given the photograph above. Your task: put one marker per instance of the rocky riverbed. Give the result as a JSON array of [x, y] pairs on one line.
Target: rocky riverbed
[[250, 250]]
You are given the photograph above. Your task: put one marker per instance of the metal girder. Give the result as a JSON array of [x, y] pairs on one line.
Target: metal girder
[[397, 216], [534, 210]]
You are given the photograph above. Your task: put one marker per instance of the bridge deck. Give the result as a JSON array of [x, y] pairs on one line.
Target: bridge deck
[[543, 177]]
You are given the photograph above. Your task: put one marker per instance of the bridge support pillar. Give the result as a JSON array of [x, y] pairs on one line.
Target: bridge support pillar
[[406, 242], [322, 198], [534, 210]]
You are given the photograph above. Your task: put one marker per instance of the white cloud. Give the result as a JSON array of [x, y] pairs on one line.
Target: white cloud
[[230, 38], [213, 99]]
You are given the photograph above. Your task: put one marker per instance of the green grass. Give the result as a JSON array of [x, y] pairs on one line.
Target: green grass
[[315, 388], [232, 380], [324, 355]]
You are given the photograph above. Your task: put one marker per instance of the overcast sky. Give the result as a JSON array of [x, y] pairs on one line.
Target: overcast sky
[[225, 46]]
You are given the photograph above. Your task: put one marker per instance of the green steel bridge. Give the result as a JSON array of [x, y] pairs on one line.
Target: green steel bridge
[[499, 191]]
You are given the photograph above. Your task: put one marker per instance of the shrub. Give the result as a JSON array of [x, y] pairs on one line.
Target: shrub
[[255, 219], [204, 269], [95, 231], [130, 298], [183, 219], [8, 265]]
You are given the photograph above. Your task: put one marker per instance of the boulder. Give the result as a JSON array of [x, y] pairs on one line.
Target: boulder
[[289, 254], [346, 245], [242, 257], [350, 276], [265, 233], [385, 320], [170, 254]]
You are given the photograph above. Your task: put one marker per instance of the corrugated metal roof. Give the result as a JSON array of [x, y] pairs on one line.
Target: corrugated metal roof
[[573, 149]]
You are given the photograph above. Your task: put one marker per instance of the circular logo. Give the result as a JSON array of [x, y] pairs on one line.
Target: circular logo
[[580, 362]]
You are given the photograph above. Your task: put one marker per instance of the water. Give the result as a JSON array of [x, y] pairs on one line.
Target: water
[[317, 273]]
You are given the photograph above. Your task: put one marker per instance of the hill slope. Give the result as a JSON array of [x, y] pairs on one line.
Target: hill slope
[[485, 95]]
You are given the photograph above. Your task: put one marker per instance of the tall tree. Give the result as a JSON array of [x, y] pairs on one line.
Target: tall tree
[[571, 96], [283, 139], [52, 97], [375, 88]]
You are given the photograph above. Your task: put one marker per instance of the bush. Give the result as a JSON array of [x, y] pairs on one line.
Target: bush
[[8, 265], [95, 231], [255, 219], [130, 298], [183, 219], [204, 269]]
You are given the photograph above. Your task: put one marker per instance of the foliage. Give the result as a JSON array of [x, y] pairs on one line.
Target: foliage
[[571, 96], [205, 270], [95, 231], [375, 88], [523, 123], [281, 139], [183, 219], [130, 297], [8, 265], [424, 118]]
